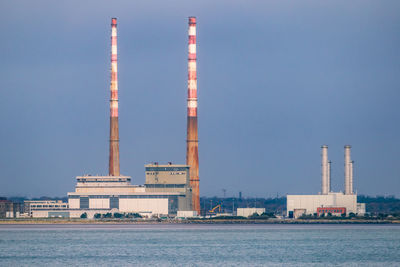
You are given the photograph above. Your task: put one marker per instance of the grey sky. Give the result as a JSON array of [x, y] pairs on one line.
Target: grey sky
[[276, 79]]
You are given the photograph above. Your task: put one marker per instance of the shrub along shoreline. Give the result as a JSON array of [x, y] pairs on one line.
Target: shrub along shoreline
[[216, 220]]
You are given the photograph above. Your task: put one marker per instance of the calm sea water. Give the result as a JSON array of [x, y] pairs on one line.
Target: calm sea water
[[200, 245]]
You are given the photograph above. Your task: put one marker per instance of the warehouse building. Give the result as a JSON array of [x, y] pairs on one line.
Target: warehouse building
[[45, 208], [333, 203], [247, 212], [328, 202]]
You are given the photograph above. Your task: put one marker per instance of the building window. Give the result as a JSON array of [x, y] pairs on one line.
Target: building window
[[84, 202], [114, 203]]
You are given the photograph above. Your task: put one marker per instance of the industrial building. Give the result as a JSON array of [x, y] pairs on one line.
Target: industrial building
[[9, 209], [328, 202], [45, 208], [170, 179], [247, 212], [168, 188]]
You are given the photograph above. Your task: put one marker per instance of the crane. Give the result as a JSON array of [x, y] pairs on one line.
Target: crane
[[216, 207]]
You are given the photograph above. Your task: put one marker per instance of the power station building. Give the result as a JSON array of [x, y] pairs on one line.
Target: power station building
[[170, 178], [165, 192], [328, 202], [167, 189]]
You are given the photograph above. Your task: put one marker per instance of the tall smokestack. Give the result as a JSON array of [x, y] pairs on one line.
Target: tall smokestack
[[114, 131], [329, 176], [351, 176], [325, 170], [348, 171], [192, 142]]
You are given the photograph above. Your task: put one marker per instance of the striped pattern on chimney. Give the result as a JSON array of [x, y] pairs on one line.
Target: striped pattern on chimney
[[114, 70], [192, 141], [114, 125], [192, 72]]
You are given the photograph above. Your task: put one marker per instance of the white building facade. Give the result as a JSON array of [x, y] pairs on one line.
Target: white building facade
[[247, 212], [166, 191], [298, 205], [105, 194]]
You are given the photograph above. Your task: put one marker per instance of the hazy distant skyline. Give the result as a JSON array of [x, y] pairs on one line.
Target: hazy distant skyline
[[276, 80]]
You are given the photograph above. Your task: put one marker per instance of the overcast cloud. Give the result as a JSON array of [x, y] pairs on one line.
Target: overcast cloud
[[276, 79]]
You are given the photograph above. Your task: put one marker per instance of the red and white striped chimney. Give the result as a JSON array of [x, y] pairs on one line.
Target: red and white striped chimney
[[192, 153], [114, 128], [192, 71]]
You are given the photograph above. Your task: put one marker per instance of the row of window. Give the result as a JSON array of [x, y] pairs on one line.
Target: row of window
[[48, 206], [331, 211], [157, 169], [103, 181], [146, 196], [171, 173], [122, 196], [165, 185]]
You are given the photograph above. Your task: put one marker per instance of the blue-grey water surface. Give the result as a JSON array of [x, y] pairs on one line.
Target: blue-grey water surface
[[200, 245]]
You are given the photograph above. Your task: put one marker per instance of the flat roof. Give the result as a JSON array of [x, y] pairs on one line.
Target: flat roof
[[165, 165], [105, 176], [125, 193]]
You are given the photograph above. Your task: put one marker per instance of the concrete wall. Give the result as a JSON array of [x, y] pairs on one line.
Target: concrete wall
[[153, 205], [68, 213], [40, 213], [167, 178], [90, 213], [148, 204], [185, 203], [58, 214], [99, 203], [246, 212], [74, 203], [186, 214]]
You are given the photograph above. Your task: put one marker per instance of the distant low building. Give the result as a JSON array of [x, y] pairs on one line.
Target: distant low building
[[9, 209], [247, 212], [333, 203], [46, 208]]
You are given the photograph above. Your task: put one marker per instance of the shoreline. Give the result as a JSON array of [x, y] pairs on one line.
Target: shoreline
[[189, 221]]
